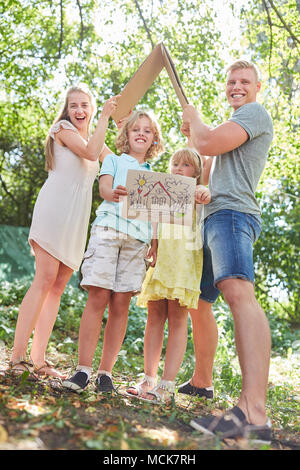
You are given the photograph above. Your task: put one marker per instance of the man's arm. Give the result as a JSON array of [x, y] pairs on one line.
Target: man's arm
[[207, 163], [211, 141]]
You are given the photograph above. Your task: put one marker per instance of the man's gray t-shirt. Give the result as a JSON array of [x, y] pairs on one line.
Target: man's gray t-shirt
[[235, 175]]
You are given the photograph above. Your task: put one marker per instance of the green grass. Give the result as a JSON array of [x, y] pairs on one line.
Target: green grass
[[115, 422]]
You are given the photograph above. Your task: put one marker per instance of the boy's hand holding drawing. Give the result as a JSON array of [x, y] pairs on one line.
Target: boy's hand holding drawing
[[118, 193], [108, 193]]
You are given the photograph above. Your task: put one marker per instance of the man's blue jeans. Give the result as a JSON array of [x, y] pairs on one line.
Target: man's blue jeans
[[228, 249]]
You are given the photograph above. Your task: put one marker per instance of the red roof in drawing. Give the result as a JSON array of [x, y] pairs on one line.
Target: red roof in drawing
[[162, 186]]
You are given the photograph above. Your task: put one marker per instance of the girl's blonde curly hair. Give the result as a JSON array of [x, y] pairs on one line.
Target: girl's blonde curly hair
[[122, 143]]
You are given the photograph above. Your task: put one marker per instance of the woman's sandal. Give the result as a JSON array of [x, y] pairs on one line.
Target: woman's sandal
[[150, 381], [165, 397], [20, 366], [52, 372]]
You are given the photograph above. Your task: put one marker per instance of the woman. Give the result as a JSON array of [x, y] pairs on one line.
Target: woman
[[60, 222]]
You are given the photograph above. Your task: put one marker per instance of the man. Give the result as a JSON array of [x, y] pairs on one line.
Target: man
[[232, 224]]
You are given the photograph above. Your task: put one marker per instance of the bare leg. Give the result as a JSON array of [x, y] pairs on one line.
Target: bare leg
[[115, 329], [176, 346], [177, 339], [46, 321], [253, 343], [205, 336], [91, 322], [154, 335], [153, 340], [46, 272]]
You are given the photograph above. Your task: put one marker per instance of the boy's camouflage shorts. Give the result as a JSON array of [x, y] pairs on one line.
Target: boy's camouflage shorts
[[114, 260]]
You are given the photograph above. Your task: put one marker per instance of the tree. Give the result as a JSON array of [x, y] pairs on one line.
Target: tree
[[47, 46], [277, 251], [272, 35], [60, 42]]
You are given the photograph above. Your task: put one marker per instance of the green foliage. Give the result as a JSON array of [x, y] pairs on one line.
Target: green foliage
[[47, 47], [277, 251], [272, 30], [271, 34], [73, 302]]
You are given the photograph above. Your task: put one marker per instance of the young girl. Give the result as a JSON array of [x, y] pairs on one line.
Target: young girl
[[170, 289], [114, 263], [60, 221]]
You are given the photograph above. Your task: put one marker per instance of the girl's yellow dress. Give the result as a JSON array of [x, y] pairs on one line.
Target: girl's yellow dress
[[178, 270]]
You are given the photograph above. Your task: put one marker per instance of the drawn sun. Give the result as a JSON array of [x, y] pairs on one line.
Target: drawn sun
[[141, 181]]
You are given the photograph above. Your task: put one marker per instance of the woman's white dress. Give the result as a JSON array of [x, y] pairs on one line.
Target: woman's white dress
[[63, 207]]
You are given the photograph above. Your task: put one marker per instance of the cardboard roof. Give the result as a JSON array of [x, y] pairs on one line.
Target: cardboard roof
[[143, 79]]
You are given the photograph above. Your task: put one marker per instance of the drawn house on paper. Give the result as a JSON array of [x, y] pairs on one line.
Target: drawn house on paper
[[159, 197]]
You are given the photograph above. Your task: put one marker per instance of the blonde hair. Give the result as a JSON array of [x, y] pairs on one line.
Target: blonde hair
[[244, 64], [63, 114], [122, 143], [191, 156]]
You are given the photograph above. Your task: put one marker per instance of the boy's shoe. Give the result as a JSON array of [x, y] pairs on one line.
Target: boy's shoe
[[232, 425], [188, 389], [104, 383], [78, 382]]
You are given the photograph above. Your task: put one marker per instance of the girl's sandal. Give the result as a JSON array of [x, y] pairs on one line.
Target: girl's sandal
[[164, 397], [150, 381], [52, 372]]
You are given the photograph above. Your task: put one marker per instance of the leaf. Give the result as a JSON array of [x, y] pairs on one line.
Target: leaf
[[3, 434], [77, 404], [124, 445], [94, 444], [112, 429]]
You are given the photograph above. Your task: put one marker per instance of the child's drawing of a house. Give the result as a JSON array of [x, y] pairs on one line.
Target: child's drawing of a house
[[157, 195]]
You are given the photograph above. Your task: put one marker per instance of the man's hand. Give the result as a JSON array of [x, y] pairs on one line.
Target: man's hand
[[189, 113], [185, 129]]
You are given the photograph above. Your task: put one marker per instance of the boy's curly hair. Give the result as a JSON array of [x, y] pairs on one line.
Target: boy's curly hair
[[122, 143]]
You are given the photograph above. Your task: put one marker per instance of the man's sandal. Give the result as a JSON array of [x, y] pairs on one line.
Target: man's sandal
[[233, 425], [139, 389], [52, 372], [164, 397]]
